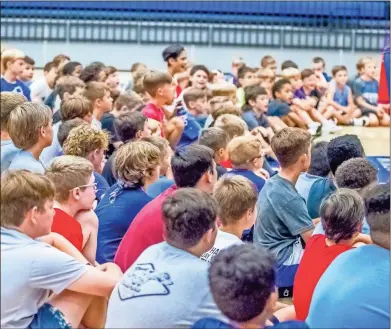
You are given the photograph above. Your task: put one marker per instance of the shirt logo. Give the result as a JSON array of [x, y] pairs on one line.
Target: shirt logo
[[143, 281], [18, 90]]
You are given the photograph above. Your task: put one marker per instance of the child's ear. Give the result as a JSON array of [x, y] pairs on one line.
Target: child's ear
[[251, 103], [191, 104]]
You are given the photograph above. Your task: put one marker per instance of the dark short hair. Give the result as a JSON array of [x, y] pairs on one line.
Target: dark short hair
[[48, 67], [91, 73], [128, 124], [29, 60], [355, 173], [66, 127], [288, 64], [214, 138], [278, 85], [196, 68], [252, 92], [343, 148], [306, 73], [317, 60], [190, 163], [188, 214], [341, 214], [337, 69], [192, 94], [319, 165], [243, 70], [289, 144], [241, 279], [377, 212], [172, 51], [69, 68]]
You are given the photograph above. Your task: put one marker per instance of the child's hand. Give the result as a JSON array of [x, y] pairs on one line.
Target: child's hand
[[380, 111], [263, 173]]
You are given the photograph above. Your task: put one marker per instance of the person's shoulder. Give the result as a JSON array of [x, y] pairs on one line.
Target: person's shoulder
[[211, 323]]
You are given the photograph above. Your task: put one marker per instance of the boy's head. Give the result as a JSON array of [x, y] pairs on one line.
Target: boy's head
[[160, 85], [226, 109], [137, 163], [292, 148], [309, 79], [268, 62], [128, 102], [340, 74], [195, 100], [245, 152], [164, 149], [12, 61], [27, 202], [246, 76], [8, 102], [93, 72], [72, 69], [294, 76], [131, 125], [283, 91], [356, 174], [66, 127], [69, 85], [377, 213], [87, 142], [176, 58], [287, 64], [267, 78], [50, 73], [256, 97], [343, 148], [318, 65], [99, 95], [199, 76], [242, 281], [342, 215], [137, 67], [218, 101], [74, 181], [232, 125], [224, 90], [194, 166], [76, 106], [189, 217], [28, 71], [236, 197], [217, 140], [59, 61], [112, 77], [30, 124], [319, 165], [366, 66]]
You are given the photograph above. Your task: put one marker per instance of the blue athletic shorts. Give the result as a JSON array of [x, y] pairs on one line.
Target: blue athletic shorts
[[49, 318]]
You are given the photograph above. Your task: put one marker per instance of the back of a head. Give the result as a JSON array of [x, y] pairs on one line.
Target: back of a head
[[223, 89], [95, 90], [70, 67], [188, 214], [244, 149], [232, 125], [343, 148], [68, 172], [319, 165], [235, 195], [128, 124], [377, 213], [192, 94], [8, 102], [153, 80], [214, 138], [342, 214], [356, 173], [59, 59], [25, 121], [267, 60], [128, 102], [68, 84], [75, 106], [21, 190], [289, 144], [92, 72], [287, 64], [66, 127], [172, 51], [290, 72], [85, 139], [241, 279], [226, 109], [190, 163]]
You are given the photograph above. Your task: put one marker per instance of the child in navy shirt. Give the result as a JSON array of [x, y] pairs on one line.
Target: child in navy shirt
[[12, 66], [365, 89], [247, 159]]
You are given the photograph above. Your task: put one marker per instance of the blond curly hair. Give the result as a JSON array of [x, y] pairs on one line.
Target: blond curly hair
[[84, 139], [135, 161]]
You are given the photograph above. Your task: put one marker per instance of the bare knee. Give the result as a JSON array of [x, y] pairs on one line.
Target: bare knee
[[373, 120]]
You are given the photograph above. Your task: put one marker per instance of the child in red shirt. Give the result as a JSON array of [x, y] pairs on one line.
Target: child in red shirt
[[342, 216], [161, 87]]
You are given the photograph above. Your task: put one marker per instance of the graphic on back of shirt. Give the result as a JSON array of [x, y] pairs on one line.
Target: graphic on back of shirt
[[144, 281]]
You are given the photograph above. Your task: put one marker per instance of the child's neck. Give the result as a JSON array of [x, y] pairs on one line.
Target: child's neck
[[247, 166], [307, 90], [157, 102], [339, 85], [5, 136], [9, 76], [68, 208], [366, 77], [193, 112], [36, 151], [348, 242], [290, 173], [257, 112], [97, 113], [235, 229]]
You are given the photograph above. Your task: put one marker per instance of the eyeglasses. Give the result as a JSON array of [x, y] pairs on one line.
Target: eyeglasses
[[94, 185], [258, 157]]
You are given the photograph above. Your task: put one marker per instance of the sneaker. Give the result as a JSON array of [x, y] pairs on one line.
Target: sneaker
[[330, 127], [361, 122]]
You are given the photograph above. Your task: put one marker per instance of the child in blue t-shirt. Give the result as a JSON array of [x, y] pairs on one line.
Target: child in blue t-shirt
[[365, 90], [12, 66]]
